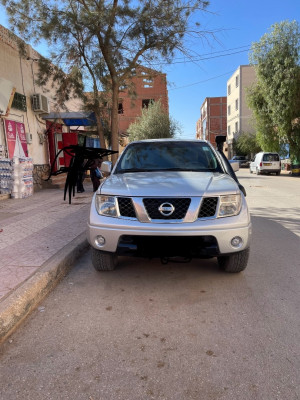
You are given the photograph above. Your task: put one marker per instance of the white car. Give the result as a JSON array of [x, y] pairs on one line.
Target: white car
[[170, 198], [266, 163]]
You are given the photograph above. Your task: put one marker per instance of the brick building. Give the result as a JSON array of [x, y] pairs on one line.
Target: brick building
[[213, 120], [145, 86]]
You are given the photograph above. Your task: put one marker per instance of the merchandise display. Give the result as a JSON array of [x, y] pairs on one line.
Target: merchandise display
[[22, 169], [6, 180]]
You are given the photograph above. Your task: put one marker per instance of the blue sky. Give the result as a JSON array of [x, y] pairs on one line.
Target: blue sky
[[238, 24]]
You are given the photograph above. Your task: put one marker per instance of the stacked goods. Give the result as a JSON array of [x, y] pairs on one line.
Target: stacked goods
[[6, 181], [22, 177]]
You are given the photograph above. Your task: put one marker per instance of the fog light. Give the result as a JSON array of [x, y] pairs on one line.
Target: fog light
[[100, 241], [236, 242]]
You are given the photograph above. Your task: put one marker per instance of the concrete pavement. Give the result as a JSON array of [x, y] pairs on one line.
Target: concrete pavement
[[40, 237]]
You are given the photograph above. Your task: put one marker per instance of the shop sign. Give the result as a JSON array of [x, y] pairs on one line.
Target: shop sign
[[16, 139]]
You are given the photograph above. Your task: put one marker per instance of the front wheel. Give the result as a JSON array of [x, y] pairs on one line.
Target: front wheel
[[104, 261], [235, 262]]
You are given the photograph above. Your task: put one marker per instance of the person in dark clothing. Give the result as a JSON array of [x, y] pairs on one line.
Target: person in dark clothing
[[80, 177], [96, 174]]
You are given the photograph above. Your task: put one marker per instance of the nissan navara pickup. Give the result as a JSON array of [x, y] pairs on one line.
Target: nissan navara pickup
[[170, 198]]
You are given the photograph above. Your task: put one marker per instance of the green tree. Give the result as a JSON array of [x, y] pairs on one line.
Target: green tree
[[154, 123], [247, 144], [275, 99], [101, 41]]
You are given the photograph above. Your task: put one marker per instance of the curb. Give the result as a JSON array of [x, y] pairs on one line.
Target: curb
[[18, 305]]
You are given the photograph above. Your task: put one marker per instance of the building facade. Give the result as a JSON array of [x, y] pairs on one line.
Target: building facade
[[145, 86], [25, 108], [239, 115], [213, 119], [23, 104]]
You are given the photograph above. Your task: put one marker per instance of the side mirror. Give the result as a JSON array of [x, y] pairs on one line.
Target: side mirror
[[235, 165], [106, 167]]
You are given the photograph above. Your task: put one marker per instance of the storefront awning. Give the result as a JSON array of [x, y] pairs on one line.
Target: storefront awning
[[74, 118]]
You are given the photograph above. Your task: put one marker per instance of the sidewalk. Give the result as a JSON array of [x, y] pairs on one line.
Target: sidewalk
[[40, 237]]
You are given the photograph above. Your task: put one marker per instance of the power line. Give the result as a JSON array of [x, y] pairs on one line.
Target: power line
[[214, 52], [205, 58], [206, 80]]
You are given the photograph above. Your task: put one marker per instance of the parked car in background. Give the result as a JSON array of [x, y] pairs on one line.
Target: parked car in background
[[170, 198], [242, 160], [266, 163]]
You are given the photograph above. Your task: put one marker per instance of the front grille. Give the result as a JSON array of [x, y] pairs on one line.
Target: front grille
[[181, 206], [126, 207], [208, 207]]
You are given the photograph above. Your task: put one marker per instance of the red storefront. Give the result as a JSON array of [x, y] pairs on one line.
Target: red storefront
[[61, 135]]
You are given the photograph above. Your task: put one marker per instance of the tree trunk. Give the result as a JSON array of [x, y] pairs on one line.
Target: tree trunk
[[115, 120], [100, 130]]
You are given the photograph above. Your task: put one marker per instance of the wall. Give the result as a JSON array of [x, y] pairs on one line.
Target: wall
[[239, 116], [213, 119], [147, 84], [248, 77], [21, 72]]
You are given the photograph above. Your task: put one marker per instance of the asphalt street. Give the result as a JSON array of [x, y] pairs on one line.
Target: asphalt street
[[176, 332]]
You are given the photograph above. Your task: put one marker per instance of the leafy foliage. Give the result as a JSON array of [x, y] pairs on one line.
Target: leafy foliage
[[275, 99], [247, 144], [105, 39], [154, 123]]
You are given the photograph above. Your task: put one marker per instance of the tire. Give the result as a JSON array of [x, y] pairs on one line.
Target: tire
[[278, 173], [235, 262], [104, 261]]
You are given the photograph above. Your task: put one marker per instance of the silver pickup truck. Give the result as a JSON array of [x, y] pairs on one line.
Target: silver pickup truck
[[170, 198]]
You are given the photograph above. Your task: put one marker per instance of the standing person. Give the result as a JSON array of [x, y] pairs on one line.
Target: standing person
[[96, 174], [80, 177]]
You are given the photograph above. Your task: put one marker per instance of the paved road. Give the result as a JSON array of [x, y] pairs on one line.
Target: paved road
[[175, 331]]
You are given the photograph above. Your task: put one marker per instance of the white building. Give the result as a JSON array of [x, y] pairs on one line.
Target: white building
[[239, 116]]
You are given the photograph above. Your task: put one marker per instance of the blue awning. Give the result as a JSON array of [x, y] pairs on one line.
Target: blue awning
[[74, 118]]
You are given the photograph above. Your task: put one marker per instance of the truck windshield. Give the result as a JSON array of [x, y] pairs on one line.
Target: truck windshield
[[168, 156]]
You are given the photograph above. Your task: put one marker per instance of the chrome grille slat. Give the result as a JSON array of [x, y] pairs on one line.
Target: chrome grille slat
[[207, 209]]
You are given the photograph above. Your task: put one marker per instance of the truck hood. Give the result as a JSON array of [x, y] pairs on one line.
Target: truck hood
[[168, 184]]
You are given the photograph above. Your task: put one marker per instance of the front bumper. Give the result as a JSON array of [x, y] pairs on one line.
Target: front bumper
[[204, 237]]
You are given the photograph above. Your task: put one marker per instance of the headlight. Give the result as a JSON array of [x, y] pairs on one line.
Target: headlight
[[229, 205], [106, 205]]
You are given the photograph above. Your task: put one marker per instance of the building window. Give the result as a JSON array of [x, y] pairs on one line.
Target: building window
[[237, 104], [229, 110], [120, 108], [228, 129], [236, 126], [19, 102], [229, 89], [146, 102], [148, 82], [237, 81]]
